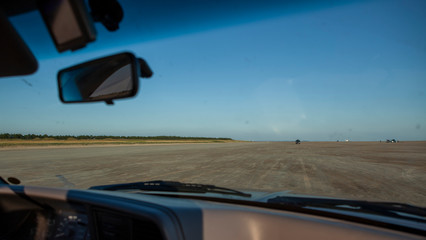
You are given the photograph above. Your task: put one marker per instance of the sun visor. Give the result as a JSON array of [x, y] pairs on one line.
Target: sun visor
[[15, 56]]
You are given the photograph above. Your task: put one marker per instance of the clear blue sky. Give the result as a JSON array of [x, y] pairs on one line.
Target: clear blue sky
[[353, 71]]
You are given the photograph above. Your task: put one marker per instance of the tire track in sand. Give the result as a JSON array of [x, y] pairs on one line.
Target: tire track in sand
[[306, 180]]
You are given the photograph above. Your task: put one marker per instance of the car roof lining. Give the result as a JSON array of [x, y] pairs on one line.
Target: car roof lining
[[16, 7]]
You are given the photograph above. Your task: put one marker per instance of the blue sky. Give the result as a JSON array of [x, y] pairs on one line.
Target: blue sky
[[355, 71]]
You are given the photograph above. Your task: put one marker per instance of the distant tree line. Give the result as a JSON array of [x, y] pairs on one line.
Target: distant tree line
[[64, 137]]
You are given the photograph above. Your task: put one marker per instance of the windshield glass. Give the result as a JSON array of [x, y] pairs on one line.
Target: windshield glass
[[232, 92]]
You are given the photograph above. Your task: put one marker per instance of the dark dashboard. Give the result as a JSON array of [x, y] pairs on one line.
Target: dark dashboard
[[23, 216], [37, 224], [80, 222]]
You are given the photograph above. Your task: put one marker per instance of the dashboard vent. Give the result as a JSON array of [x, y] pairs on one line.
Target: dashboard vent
[[112, 225], [146, 230]]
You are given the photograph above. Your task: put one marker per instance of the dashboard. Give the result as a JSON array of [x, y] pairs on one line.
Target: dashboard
[[52, 215], [100, 224], [49, 213], [36, 224]]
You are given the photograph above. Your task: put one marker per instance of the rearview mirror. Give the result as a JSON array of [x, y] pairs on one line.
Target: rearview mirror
[[103, 79]]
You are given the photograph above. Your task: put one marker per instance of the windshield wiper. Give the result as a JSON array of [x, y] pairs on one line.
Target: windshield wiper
[[171, 186], [389, 209]]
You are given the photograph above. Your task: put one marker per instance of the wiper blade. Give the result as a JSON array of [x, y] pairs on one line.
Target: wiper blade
[[389, 209], [171, 186]]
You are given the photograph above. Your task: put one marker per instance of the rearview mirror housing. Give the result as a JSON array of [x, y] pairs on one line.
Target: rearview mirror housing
[[103, 79]]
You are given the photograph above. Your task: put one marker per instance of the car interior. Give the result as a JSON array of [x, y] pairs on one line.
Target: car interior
[[34, 212]]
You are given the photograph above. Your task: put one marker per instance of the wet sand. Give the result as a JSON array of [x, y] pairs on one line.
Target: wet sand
[[361, 170]]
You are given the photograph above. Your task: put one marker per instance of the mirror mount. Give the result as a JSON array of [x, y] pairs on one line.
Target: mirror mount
[[108, 12], [109, 102], [146, 71]]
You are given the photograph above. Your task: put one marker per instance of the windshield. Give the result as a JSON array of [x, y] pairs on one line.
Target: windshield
[[314, 99]]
